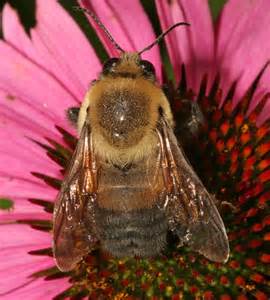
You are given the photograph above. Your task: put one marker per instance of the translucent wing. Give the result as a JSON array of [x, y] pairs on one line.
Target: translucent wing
[[73, 233], [191, 212]]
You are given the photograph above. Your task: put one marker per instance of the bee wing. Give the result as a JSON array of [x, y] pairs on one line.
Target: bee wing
[[72, 237], [191, 211]]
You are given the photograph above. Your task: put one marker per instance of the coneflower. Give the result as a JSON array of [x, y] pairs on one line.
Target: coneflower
[[222, 65]]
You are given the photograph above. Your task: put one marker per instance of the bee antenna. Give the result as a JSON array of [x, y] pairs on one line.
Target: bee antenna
[[160, 37], [100, 25]]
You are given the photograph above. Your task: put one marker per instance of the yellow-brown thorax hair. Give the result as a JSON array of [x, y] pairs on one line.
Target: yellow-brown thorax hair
[[124, 107]]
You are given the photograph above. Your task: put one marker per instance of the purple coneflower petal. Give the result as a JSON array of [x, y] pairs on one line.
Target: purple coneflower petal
[[16, 181], [54, 46], [242, 47], [19, 157], [23, 210], [15, 34], [17, 267], [20, 77], [39, 80], [25, 158], [15, 187], [129, 26], [192, 46], [37, 85], [263, 89], [40, 289], [19, 115]]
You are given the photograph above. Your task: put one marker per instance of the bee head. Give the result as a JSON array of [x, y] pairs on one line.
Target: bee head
[[129, 65]]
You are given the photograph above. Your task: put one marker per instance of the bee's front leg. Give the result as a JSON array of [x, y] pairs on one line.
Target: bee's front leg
[[72, 114], [190, 119], [223, 205]]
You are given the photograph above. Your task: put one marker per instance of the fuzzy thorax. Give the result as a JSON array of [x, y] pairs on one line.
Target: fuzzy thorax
[[123, 114]]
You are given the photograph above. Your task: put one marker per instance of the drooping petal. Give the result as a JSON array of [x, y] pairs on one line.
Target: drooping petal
[[243, 45], [25, 158], [18, 184], [15, 34], [129, 26], [20, 156], [40, 289], [21, 111], [58, 46], [22, 78], [12, 187], [18, 265], [21, 127], [22, 209], [262, 90], [192, 46]]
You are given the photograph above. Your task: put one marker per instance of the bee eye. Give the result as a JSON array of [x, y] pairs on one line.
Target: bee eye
[[147, 67], [110, 64]]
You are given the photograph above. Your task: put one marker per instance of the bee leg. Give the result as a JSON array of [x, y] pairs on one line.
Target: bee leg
[[72, 114], [190, 120], [180, 232], [196, 118], [223, 206]]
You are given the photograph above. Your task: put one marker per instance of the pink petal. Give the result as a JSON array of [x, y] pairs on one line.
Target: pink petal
[[19, 257], [243, 43], [192, 46], [16, 165], [40, 289], [14, 33], [17, 260], [24, 158], [12, 282], [23, 114], [22, 210], [19, 157], [24, 79], [18, 126], [17, 180], [128, 24], [264, 116], [22, 236], [37, 84], [261, 91], [55, 46], [13, 187], [18, 265]]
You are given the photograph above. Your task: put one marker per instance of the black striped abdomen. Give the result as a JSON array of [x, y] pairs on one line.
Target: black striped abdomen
[[141, 232]]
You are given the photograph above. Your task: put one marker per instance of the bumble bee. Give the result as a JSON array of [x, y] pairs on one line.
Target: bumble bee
[[129, 183]]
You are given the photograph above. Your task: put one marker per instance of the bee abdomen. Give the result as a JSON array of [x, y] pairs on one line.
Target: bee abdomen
[[137, 233]]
